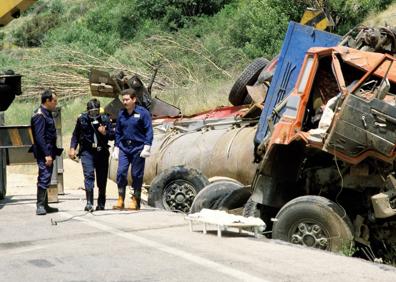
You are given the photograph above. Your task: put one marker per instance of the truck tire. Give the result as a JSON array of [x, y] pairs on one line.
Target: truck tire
[[211, 196], [238, 94], [314, 221], [223, 178], [236, 199], [175, 188]]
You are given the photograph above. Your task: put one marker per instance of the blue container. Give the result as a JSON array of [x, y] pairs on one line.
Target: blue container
[[299, 38]]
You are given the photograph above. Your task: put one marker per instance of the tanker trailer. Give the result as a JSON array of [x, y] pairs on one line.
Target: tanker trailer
[[188, 151]]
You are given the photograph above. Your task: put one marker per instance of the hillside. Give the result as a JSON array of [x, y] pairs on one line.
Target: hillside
[[200, 46]]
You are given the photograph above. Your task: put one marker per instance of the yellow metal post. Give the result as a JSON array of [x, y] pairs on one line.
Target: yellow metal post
[[10, 9], [316, 18]]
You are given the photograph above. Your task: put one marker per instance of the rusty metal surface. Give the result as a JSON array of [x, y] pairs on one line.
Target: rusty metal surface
[[161, 108], [357, 128], [362, 60]]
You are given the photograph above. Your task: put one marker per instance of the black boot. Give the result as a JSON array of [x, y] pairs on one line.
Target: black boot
[[138, 198], [46, 206], [101, 200], [89, 205], [41, 201]]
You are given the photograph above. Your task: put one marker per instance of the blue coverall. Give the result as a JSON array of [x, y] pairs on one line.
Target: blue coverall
[[133, 131], [44, 136], [94, 152]]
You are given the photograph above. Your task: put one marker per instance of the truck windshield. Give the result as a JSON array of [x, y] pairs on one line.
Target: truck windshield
[[305, 76]]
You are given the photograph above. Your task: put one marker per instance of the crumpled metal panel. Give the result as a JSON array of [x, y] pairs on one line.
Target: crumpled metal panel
[[364, 126], [367, 61]]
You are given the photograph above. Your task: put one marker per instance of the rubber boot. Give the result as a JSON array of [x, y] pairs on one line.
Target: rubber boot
[[41, 201], [47, 207], [120, 201], [135, 203], [89, 205], [101, 200]]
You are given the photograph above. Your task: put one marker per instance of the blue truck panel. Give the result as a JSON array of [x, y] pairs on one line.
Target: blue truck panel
[[299, 38]]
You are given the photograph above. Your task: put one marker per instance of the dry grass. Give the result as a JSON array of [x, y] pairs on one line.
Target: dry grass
[[386, 17]]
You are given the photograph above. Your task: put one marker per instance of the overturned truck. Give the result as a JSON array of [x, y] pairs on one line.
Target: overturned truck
[[324, 145], [327, 174]]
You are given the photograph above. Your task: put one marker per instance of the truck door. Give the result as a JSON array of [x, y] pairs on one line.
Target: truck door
[[366, 120]]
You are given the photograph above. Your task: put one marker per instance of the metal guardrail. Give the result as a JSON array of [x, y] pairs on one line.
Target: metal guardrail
[[15, 136]]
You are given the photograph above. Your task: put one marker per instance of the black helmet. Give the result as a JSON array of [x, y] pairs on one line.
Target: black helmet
[[93, 108]]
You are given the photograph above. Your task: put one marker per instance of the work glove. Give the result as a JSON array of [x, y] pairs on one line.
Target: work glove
[[145, 152], [115, 153]]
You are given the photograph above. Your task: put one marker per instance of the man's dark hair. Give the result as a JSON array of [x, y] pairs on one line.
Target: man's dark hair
[[93, 104], [47, 95], [130, 91]]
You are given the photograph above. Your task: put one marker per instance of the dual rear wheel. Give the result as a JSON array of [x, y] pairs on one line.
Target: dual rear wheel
[[311, 221]]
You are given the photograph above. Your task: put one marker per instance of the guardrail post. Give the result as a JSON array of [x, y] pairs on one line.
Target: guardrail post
[[56, 186]]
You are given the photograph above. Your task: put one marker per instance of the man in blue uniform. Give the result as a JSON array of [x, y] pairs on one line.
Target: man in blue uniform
[[44, 148], [133, 139], [92, 133]]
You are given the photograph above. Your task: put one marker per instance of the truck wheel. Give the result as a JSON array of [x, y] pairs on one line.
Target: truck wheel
[[235, 199], [313, 221], [238, 94], [211, 196], [175, 188], [223, 178]]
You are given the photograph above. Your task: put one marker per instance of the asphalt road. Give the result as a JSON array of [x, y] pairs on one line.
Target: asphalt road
[[151, 245]]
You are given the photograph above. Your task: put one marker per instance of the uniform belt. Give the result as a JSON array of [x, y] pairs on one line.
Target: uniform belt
[[129, 142], [96, 148]]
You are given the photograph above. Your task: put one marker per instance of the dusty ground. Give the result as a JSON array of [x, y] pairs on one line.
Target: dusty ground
[[149, 245], [21, 180], [26, 175]]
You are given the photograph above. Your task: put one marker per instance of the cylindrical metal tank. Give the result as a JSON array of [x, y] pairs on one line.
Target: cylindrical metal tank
[[225, 151]]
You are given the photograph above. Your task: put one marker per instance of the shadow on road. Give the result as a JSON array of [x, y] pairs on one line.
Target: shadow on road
[[12, 200]]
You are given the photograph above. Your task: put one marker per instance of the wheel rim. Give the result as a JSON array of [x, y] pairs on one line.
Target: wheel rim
[[310, 234], [178, 196]]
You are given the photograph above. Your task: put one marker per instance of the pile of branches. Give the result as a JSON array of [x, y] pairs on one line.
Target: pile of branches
[[65, 72]]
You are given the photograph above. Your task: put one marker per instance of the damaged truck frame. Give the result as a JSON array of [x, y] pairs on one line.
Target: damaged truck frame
[[324, 143], [327, 174]]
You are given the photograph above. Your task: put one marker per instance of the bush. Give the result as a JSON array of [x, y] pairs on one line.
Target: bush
[[258, 28], [349, 13], [82, 37], [176, 14], [32, 33]]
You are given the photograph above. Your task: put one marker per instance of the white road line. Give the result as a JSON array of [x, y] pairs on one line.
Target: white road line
[[173, 251]]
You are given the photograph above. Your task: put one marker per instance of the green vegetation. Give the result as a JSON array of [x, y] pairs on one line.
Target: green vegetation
[[200, 45]]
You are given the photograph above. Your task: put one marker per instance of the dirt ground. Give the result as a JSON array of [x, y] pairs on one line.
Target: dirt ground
[[23, 176]]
